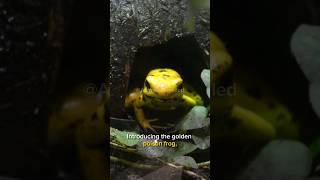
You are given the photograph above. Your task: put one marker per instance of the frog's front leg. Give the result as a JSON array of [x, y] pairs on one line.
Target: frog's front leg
[[142, 120], [135, 100]]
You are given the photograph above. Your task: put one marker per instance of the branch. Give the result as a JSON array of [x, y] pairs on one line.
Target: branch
[[133, 164]]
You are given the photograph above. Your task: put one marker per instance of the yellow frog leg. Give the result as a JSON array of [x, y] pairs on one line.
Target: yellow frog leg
[[131, 98], [134, 100], [189, 100], [142, 120]]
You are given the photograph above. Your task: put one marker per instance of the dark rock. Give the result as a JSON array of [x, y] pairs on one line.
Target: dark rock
[[138, 23]]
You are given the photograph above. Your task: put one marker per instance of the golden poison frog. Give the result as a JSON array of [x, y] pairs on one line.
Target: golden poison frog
[[163, 90], [79, 119]]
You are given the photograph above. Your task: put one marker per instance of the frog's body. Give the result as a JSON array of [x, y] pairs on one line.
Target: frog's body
[[163, 90]]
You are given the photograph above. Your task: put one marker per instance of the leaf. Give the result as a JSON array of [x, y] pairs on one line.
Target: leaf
[[201, 139], [279, 159], [186, 161], [154, 151], [184, 148], [122, 137], [196, 118], [113, 132], [305, 46], [205, 76]]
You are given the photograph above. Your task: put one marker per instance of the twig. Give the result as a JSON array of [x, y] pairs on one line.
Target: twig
[[153, 167], [205, 164], [120, 119], [133, 164], [123, 148]]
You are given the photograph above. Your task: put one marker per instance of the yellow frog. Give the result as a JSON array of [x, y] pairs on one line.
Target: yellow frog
[[163, 90]]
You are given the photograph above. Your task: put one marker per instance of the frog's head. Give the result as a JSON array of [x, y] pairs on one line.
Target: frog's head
[[163, 83]]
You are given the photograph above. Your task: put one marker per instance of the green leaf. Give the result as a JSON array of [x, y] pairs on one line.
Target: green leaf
[[154, 151], [184, 148], [279, 159], [195, 119], [186, 161], [205, 76], [305, 46], [122, 137], [113, 132], [202, 142]]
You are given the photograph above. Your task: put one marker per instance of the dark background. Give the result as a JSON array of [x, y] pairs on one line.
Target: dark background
[[24, 86], [26, 76], [257, 35]]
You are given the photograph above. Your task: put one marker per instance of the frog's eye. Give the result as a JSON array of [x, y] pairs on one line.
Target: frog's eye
[[147, 84]]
